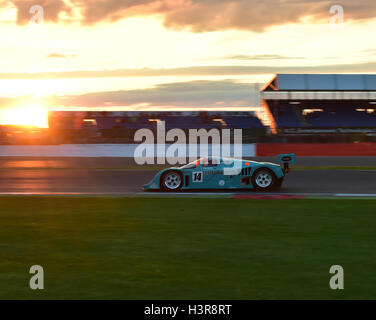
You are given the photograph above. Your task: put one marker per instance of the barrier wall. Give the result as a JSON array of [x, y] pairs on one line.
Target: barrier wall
[[248, 150], [316, 149], [100, 150]]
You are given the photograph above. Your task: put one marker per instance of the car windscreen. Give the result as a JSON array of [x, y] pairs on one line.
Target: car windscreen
[[191, 165]]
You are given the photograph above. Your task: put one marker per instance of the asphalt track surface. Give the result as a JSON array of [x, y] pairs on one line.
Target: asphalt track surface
[[119, 176], [89, 181], [69, 162]]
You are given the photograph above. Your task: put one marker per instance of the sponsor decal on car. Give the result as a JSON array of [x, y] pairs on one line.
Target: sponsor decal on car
[[214, 172]]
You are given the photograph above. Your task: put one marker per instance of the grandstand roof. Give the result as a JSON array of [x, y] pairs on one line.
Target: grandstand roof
[[322, 82]]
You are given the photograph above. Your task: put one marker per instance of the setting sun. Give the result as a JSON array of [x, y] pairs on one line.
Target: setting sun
[[31, 115]]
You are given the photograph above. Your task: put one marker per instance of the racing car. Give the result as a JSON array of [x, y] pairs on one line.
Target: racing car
[[223, 173]]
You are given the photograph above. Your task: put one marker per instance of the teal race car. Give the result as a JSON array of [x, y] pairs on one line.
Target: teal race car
[[223, 173]]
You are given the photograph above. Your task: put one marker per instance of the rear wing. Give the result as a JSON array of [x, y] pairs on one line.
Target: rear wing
[[286, 160]]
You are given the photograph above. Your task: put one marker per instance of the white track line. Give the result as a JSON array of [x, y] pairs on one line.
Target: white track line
[[355, 195]]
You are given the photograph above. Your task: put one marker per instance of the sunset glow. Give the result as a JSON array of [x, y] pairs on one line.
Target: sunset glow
[[170, 55], [31, 115]]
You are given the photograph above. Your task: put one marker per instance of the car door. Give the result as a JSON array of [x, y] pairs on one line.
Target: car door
[[231, 170], [211, 170], [215, 177]]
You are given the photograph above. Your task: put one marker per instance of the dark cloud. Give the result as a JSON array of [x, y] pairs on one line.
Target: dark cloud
[[208, 94], [204, 15], [112, 10], [195, 94]]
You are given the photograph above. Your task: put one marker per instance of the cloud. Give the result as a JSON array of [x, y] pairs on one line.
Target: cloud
[[194, 94], [203, 15], [259, 57], [59, 55], [229, 70], [51, 10]]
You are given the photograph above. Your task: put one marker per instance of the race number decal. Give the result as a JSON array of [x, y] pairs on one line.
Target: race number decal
[[197, 176]]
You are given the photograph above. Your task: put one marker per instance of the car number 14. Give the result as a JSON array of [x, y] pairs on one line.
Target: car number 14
[[197, 176]]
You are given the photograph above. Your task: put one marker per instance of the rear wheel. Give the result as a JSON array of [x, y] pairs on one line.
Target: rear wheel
[[263, 179], [171, 181]]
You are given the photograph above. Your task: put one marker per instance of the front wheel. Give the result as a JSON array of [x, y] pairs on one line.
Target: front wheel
[[171, 181], [263, 179]]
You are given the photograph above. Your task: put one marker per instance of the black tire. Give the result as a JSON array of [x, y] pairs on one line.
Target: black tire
[[264, 179], [171, 181]]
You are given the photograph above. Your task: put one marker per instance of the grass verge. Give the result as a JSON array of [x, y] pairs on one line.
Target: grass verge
[[158, 248]]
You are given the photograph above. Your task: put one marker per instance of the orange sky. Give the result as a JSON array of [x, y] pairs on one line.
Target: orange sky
[[172, 54]]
